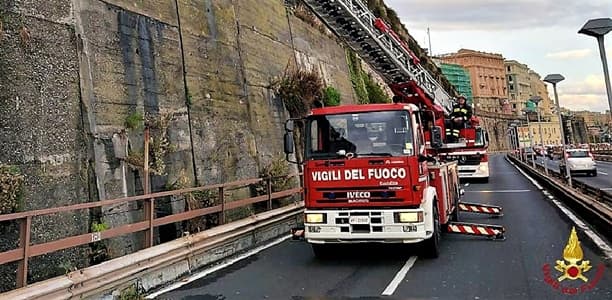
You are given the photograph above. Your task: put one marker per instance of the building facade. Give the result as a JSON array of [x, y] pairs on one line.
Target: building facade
[[488, 78], [524, 83]]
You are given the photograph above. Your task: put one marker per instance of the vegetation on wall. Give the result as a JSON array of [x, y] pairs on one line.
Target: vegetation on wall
[[356, 73], [159, 144], [300, 89], [375, 93], [365, 87], [134, 121], [11, 189], [196, 200], [331, 96]]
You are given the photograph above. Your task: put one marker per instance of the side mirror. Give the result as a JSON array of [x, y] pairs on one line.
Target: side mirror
[[289, 125], [436, 137], [288, 139]]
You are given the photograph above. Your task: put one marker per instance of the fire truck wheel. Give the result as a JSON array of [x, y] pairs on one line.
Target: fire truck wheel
[[321, 251], [431, 246]]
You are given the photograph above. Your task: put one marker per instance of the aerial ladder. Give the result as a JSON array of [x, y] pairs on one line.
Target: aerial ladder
[[374, 41]]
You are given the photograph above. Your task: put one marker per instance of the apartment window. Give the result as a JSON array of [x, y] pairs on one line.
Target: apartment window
[[513, 105], [512, 87]]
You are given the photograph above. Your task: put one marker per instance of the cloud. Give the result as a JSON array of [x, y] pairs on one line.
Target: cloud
[[497, 14], [593, 103], [587, 94], [570, 54], [591, 85]]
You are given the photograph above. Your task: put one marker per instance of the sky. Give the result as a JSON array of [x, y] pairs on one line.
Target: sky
[[541, 34]]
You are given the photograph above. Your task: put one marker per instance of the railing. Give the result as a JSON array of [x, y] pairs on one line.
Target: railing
[[26, 250], [597, 193], [591, 206]]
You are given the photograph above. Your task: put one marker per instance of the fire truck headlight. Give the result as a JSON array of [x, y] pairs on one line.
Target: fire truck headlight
[[315, 218], [409, 217], [482, 168]]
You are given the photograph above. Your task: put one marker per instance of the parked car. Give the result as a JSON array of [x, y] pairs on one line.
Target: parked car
[[579, 161]]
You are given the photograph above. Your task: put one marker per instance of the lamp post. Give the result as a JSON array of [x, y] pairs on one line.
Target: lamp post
[[598, 28], [536, 100], [526, 111], [554, 79]]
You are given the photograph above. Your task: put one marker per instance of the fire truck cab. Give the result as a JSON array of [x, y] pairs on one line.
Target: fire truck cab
[[368, 177]]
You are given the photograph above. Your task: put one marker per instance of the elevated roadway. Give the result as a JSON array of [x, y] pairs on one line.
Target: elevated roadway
[[469, 268]]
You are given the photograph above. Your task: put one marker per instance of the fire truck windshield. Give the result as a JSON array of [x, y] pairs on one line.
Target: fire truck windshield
[[381, 133]]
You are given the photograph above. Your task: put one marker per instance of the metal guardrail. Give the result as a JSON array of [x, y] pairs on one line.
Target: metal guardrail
[[597, 193], [26, 250], [603, 157], [152, 268], [590, 200]]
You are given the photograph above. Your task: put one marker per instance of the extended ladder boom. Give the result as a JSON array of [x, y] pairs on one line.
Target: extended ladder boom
[[375, 42]]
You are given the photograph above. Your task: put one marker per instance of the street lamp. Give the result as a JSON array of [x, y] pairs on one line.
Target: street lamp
[[536, 100], [598, 28], [527, 111], [554, 79]]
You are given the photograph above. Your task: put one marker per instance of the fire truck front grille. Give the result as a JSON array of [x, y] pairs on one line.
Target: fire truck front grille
[[375, 196], [375, 223]]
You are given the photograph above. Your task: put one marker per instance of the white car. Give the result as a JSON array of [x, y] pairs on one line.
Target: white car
[[579, 161]]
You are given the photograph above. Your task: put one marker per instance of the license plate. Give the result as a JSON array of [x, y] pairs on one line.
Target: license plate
[[359, 220]]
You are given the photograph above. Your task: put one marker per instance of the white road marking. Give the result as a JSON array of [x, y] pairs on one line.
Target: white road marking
[[527, 176], [606, 189], [607, 250], [500, 191], [467, 184], [603, 173], [587, 230], [225, 264], [399, 276]]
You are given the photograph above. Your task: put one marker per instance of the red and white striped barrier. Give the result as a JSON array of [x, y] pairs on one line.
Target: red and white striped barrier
[[493, 231], [480, 208]]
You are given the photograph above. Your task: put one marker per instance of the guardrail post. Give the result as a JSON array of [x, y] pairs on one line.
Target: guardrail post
[[24, 244], [149, 205], [149, 209], [269, 190], [222, 200]]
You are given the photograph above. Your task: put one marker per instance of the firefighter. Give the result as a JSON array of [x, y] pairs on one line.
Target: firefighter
[[462, 112]]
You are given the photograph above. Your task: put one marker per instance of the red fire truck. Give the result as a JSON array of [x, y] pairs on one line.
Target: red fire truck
[[374, 172], [472, 158]]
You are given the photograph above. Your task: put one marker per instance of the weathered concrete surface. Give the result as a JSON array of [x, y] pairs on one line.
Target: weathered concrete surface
[[40, 126], [80, 68]]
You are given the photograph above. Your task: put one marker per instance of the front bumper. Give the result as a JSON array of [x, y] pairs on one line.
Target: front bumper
[[475, 171], [381, 227]]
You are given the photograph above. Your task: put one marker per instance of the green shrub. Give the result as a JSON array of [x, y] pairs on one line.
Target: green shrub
[[331, 96], [134, 121], [375, 93], [11, 189]]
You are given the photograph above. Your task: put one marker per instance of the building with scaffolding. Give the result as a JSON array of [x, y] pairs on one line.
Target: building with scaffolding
[[459, 77]]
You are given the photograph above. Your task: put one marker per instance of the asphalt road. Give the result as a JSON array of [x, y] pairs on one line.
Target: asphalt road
[[602, 181], [469, 267]]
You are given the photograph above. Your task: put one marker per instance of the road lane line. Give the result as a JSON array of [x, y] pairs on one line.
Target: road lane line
[[225, 264], [500, 191], [606, 189], [399, 276], [603, 173], [605, 248]]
